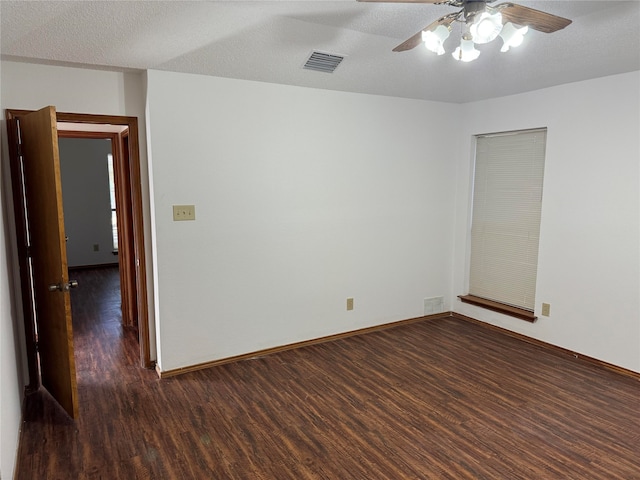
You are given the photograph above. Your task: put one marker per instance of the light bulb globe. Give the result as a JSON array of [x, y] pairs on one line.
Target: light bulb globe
[[466, 52], [512, 36], [434, 39], [486, 27]]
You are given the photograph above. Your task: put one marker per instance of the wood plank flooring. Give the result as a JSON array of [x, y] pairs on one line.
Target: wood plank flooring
[[441, 399]]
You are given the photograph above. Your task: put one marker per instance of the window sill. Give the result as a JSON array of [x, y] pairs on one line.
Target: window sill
[[512, 311]]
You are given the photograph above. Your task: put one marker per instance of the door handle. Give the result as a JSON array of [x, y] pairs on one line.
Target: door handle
[[63, 287]]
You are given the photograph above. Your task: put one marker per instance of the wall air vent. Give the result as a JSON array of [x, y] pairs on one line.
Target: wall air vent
[[323, 62]]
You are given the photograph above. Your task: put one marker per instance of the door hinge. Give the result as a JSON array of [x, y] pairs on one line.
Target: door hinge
[[36, 345], [29, 252], [19, 149]]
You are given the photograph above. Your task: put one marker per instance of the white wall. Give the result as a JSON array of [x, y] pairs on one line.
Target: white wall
[[303, 198], [589, 265], [87, 207], [11, 377]]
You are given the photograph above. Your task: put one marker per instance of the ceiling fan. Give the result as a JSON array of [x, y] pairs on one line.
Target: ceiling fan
[[481, 23]]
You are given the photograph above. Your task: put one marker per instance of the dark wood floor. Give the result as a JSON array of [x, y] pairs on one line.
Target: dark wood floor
[[435, 399]]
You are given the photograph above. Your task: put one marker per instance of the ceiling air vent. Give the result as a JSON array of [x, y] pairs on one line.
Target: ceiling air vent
[[323, 62]]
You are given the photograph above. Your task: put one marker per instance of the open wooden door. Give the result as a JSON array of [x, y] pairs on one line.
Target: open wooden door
[[47, 249]]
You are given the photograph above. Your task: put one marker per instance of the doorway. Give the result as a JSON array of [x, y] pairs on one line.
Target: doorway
[[97, 205], [123, 132], [91, 197]]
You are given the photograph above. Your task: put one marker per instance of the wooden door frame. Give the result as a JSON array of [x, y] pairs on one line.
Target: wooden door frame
[[139, 273], [126, 261]]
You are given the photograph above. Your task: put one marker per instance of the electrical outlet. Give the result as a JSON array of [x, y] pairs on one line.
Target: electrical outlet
[[349, 303], [184, 212], [546, 309], [96, 247]]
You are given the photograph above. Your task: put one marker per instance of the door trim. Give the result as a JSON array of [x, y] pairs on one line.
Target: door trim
[[126, 262], [140, 280]]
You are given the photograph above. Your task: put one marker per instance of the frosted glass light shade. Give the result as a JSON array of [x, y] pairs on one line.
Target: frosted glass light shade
[[486, 27], [512, 36], [466, 52], [434, 39]]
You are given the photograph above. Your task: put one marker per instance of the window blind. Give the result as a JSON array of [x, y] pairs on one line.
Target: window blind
[[505, 228]]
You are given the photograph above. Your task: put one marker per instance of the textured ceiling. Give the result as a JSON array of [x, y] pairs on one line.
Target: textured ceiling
[[270, 41]]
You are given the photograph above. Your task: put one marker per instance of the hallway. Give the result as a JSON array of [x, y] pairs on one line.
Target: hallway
[[109, 379], [103, 348]]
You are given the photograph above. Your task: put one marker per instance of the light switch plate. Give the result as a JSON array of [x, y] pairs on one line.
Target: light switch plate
[[184, 212]]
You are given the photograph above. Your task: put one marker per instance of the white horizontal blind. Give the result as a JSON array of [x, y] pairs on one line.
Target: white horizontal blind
[[505, 228]]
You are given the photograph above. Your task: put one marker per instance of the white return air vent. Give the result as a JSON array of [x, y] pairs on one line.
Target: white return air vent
[[323, 62], [433, 305]]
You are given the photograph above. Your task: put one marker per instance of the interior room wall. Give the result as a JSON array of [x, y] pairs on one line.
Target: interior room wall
[[87, 206], [589, 265], [11, 380], [302, 198]]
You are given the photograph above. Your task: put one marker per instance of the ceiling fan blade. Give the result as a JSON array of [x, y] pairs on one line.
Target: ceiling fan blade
[[541, 21], [414, 41], [410, 43]]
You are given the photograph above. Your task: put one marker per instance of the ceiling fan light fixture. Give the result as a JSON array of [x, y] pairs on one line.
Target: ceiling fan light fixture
[[486, 27], [466, 52], [480, 23], [512, 36], [434, 39]]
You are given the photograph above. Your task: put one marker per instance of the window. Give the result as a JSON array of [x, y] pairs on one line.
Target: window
[[112, 197], [505, 228]]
